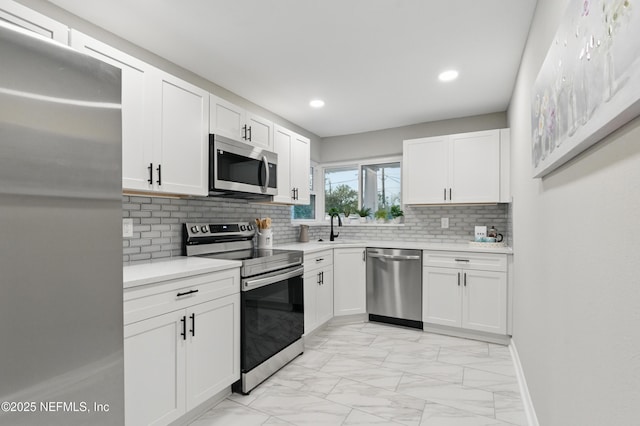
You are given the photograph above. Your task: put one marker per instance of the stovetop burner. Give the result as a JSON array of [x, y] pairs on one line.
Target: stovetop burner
[[234, 241]]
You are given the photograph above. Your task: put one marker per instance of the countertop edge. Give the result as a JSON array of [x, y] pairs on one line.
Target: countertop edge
[[174, 268], [315, 246]]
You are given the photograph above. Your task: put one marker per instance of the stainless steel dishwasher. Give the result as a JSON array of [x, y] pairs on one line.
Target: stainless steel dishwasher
[[394, 286]]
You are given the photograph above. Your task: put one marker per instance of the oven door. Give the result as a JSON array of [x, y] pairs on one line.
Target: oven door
[[236, 167], [272, 315]]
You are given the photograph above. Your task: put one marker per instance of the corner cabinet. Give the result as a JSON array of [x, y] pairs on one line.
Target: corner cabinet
[[318, 289], [181, 345], [30, 20], [294, 161], [465, 290], [165, 123], [234, 122], [350, 285], [462, 168]]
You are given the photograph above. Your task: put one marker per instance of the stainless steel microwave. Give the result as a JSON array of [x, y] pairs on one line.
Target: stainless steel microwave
[[240, 170]]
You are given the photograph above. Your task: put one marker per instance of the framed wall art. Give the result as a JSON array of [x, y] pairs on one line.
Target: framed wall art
[[589, 83]]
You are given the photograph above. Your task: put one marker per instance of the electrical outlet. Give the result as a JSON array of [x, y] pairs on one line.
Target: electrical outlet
[[444, 222], [127, 228]]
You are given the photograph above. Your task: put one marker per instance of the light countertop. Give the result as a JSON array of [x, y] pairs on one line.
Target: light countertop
[[175, 267], [314, 246]]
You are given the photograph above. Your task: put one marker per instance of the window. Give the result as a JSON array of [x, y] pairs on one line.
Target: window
[[341, 190], [380, 188], [373, 184]]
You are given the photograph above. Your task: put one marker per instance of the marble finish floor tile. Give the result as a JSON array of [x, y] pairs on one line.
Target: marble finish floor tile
[[369, 373]]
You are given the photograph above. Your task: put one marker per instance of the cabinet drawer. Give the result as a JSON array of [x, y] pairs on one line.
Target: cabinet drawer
[[166, 296], [317, 260], [465, 260]]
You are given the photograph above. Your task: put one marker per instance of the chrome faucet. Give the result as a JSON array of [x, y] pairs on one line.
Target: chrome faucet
[[333, 236]]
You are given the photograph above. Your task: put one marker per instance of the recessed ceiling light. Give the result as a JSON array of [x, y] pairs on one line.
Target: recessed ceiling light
[[316, 103], [448, 75]]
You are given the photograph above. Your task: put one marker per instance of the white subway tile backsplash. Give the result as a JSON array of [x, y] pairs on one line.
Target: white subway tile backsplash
[[157, 223]]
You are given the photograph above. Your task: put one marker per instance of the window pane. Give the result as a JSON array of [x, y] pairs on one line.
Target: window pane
[[381, 186], [341, 190], [307, 212]]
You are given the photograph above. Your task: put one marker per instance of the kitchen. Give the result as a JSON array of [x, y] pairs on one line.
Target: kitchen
[[572, 318]]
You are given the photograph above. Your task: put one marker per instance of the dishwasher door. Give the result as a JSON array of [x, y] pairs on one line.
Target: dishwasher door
[[394, 285]]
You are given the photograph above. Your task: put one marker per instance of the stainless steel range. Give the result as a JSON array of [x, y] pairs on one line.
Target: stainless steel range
[[272, 309]]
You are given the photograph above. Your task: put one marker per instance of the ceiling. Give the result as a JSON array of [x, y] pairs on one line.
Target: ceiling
[[374, 62]]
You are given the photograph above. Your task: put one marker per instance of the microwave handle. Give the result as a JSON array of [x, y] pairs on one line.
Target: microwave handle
[[265, 187]]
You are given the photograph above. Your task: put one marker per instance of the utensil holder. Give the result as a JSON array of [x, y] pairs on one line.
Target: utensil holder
[[265, 239]]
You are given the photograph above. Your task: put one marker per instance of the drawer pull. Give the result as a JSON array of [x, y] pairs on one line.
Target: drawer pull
[[320, 259], [463, 260], [186, 293]]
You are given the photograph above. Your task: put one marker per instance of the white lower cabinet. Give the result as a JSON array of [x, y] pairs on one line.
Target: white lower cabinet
[[177, 360], [318, 289], [459, 295], [154, 370], [350, 286]]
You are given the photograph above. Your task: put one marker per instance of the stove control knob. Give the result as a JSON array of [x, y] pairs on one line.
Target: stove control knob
[[243, 228], [249, 227], [194, 229], [204, 229]]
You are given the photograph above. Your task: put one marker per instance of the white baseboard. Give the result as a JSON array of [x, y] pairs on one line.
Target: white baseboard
[[529, 410]]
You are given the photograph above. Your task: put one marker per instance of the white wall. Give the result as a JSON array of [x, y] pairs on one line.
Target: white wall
[[388, 142], [577, 264]]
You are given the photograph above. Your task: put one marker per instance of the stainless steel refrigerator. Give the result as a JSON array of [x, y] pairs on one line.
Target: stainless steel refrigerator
[[61, 346]]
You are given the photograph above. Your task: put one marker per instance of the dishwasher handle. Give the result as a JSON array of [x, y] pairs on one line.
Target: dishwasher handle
[[393, 256]]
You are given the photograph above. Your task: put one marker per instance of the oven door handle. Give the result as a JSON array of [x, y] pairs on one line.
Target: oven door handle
[[261, 282]]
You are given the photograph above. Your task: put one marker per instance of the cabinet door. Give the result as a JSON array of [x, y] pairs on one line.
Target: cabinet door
[[282, 141], [349, 289], [226, 119], [324, 296], [137, 139], [311, 284], [182, 145], [475, 167], [213, 348], [300, 165], [425, 165], [484, 302], [441, 296], [31, 20], [154, 370], [259, 131]]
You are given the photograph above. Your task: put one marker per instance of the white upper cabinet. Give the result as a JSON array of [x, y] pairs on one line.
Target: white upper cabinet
[[425, 168], [137, 139], [300, 169], [293, 166], [226, 119], [28, 19], [234, 122], [181, 144], [164, 125], [461, 168]]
